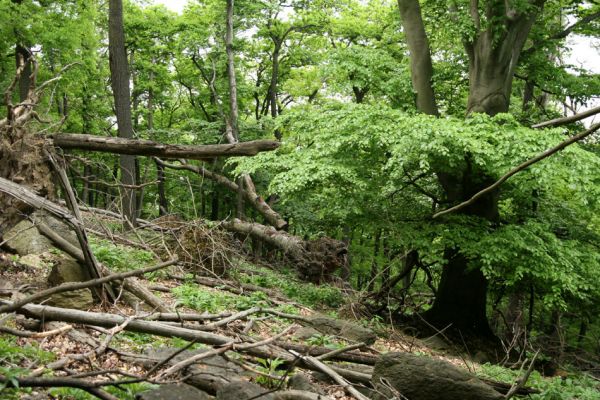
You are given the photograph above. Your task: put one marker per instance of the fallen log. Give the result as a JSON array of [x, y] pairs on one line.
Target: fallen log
[[105, 320], [141, 147], [315, 260]]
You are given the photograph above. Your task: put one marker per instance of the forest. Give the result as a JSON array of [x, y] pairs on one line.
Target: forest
[[292, 199]]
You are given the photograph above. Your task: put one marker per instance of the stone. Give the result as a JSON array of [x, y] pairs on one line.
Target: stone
[[209, 374], [241, 390], [424, 378], [33, 260], [24, 238], [175, 391], [67, 269], [305, 333], [301, 381], [81, 299], [345, 329]]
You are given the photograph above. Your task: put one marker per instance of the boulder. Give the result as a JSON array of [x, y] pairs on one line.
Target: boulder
[[175, 391], [67, 269], [209, 374], [242, 390], [301, 381], [424, 378], [345, 329], [24, 237]]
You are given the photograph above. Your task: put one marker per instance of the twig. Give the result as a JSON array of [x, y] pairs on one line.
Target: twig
[[36, 335], [523, 380]]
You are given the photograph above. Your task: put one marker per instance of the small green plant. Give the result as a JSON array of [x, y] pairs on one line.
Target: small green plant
[[120, 258], [201, 300], [319, 339], [269, 366]]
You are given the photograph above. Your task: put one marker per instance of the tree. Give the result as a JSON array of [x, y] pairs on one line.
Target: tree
[[119, 72]]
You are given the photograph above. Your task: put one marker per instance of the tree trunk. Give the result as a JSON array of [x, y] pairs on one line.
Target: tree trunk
[[119, 74], [420, 55], [461, 298], [149, 148], [493, 57]]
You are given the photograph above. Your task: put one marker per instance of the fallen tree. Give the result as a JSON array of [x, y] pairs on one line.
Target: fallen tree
[[248, 191], [141, 147], [106, 320], [314, 260]]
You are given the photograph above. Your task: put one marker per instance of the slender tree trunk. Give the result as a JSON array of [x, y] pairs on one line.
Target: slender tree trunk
[[374, 262], [420, 55], [119, 74]]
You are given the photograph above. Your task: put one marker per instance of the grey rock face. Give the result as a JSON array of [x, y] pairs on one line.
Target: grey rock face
[[346, 329], [66, 269], [179, 391], [424, 378]]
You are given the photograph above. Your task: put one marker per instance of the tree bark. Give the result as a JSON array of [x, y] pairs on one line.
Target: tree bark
[[494, 54], [119, 74], [149, 148], [314, 260], [420, 55]]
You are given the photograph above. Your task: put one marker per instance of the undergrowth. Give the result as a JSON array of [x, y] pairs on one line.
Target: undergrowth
[[576, 386]]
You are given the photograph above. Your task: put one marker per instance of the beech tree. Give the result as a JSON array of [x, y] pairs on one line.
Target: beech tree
[[119, 73]]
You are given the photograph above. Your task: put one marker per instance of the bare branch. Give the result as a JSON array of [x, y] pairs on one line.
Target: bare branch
[[520, 168]]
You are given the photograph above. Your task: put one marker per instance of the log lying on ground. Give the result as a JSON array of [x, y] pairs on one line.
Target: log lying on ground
[[105, 320], [249, 191], [315, 260], [141, 147]]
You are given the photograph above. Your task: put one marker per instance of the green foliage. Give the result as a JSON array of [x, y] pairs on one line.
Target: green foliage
[[576, 386], [270, 367], [302, 292], [14, 361], [118, 257], [348, 164]]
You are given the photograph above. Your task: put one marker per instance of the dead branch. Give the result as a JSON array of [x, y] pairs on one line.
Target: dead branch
[[568, 120], [36, 335], [69, 286], [141, 147], [90, 387], [156, 328], [248, 192], [351, 390], [131, 284], [520, 168]]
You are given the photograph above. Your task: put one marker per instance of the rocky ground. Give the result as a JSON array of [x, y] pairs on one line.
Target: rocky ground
[[314, 354]]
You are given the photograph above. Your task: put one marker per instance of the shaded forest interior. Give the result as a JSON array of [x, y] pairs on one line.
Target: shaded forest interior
[[299, 200]]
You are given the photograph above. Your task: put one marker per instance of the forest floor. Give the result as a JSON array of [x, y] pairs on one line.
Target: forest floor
[[250, 288]]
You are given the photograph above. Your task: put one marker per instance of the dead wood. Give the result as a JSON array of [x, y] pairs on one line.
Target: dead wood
[[156, 328], [248, 191], [70, 286], [315, 260], [131, 284], [351, 390], [141, 147]]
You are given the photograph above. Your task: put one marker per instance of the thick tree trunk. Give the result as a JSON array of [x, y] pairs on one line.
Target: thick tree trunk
[[119, 74], [461, 298], [493, 57]]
